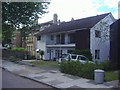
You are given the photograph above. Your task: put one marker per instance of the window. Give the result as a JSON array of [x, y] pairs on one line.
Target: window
[[69, 51], [39, 38], [74, 57], [52, 37], [71, 38], [97, 33], [58, 39], [62, 38], [97, 54], [83, 58], [58, 53], [79, 58]]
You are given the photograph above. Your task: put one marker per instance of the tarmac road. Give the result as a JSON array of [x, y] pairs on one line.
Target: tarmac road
[[10, 80]]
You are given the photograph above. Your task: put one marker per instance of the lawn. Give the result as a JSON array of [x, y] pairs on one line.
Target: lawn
[[41, 63], [109, 76]]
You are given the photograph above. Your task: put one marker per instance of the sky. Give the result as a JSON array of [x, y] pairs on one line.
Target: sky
[[77, 9]]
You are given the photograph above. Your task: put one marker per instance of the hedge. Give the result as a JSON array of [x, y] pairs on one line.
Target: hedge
[[84, 70]]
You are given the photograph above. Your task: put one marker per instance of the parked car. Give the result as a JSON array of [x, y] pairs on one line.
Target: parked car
[[74, 57]]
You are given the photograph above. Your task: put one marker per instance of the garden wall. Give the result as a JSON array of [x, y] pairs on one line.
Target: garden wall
[[18, 54]]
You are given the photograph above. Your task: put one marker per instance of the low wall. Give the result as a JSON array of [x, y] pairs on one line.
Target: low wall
[[18, 54]]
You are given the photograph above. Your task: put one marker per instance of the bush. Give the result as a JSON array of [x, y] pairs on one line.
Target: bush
[[18, 49], [86, 53], [108, 66], [70, 67], [83, 70]]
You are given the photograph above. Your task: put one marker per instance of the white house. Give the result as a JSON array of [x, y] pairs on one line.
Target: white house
[[87, 33]]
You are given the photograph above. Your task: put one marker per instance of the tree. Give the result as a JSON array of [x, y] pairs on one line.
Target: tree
[[7, 31], [21, 14]]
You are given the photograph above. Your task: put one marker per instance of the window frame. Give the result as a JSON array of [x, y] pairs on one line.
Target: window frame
[[97, 34], [39, 37], [52, 37]]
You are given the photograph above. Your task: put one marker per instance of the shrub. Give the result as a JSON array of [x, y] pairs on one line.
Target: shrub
[[84, 70], [108, 66], [70, 67], [18, 49], [86, 53], [41, 53]]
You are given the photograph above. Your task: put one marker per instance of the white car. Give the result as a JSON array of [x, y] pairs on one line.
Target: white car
[[75, 57]]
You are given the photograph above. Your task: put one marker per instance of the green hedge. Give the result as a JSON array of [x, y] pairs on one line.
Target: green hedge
[[86, 53], [18, 49], [83, 70]]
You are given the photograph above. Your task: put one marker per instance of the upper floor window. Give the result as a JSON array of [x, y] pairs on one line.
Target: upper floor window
[[71, 38], [97, 33], [58, 39], [62, 38], [52, 37], [39, 38]]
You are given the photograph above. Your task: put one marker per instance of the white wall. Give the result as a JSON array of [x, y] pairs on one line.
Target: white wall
[[49, 41], [41, 44], [101, 43]]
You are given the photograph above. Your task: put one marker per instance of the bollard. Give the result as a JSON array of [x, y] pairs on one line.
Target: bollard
[[99, 76]]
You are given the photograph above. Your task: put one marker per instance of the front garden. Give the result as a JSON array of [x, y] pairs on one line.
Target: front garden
[[87, 70], [83, 70]]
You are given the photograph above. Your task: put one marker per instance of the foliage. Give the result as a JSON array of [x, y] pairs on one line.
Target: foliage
[[18, 49], [107, 65], [24, 13], [70, 67], [7, 31], [41, 53], [86, 53], [20, 15], [83, 70]]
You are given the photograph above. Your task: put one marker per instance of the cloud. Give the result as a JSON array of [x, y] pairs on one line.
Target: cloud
[[66, 9]]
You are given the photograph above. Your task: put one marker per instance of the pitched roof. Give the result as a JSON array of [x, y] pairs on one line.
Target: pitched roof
[[46, 23], [88, 22]]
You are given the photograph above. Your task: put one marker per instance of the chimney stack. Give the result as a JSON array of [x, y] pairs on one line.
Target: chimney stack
[[72, 19], [55, 17]]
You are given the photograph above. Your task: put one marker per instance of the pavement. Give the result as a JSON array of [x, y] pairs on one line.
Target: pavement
[[52, 77]]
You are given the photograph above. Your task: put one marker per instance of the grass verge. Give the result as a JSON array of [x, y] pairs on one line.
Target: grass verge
[[42, 63], [109, 76]]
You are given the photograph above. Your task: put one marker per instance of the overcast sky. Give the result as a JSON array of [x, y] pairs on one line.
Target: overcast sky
[[67, 9]]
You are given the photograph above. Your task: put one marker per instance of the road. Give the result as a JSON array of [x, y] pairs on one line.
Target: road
[[10, 80]]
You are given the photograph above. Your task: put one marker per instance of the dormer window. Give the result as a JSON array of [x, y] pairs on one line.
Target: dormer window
[[52, 37], [97, 33]]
